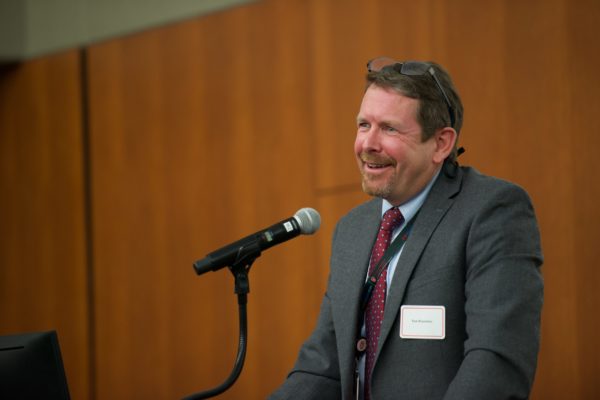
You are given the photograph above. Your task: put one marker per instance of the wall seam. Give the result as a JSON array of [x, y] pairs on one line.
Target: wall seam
[[88, 218]]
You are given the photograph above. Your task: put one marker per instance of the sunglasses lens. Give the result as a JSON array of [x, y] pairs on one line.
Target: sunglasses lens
[[377, 64], [414, 68]]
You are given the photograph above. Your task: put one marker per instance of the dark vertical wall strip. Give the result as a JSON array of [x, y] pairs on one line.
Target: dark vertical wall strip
[[88, 217]]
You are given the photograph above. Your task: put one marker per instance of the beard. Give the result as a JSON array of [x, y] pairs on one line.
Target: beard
[[373, 185], [377, 189]]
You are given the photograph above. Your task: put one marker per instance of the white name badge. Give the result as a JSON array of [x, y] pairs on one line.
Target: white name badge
[[423, 322]]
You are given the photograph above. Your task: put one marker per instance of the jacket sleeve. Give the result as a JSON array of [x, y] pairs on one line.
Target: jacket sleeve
[[503, 301], [316, 373]]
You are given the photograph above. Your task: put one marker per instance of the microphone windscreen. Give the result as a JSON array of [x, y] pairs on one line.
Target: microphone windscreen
[[309, 220]]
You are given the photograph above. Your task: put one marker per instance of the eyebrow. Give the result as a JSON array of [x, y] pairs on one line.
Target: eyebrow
[[386, 122]]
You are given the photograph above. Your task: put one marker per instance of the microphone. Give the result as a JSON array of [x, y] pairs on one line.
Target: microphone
[[306, 221]]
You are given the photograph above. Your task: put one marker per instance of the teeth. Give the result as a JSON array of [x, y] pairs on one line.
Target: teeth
[[375, 165]]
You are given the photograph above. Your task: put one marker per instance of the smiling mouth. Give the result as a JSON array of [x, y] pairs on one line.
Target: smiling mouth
[[376, 166], [374, 163]]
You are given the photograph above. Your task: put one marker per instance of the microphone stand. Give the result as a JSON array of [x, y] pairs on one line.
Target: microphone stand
[[240, 268]]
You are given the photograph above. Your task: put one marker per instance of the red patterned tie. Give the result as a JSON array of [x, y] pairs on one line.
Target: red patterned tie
[[374, 312]]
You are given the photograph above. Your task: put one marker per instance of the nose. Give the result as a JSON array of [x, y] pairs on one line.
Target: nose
[[370, 140]]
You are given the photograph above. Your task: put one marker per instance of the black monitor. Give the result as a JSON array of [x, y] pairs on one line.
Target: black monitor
[[31, 367]]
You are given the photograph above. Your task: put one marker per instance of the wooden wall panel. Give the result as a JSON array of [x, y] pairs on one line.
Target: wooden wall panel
[[539, 106], [200, 135], [583, 66], [43, 273]]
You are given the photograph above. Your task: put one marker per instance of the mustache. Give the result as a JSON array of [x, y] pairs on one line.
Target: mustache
[[376, 159]]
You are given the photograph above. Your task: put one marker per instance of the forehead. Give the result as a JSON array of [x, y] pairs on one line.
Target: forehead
[[386, 103]]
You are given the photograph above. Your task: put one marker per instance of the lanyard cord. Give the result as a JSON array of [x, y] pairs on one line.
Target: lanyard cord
[[369, 285]]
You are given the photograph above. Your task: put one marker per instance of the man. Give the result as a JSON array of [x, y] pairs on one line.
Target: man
[[451, 309]]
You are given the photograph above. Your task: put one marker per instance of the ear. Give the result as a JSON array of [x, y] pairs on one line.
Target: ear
[[444, 143]]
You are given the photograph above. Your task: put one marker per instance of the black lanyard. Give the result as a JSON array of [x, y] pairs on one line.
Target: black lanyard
[[369, 285]]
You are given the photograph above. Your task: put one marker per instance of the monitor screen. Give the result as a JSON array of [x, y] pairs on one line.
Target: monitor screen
[[31, 367]]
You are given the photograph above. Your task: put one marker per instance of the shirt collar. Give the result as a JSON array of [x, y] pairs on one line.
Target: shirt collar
[[411, 207]]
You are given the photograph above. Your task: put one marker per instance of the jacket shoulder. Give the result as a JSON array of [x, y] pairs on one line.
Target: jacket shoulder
[[479, 186]]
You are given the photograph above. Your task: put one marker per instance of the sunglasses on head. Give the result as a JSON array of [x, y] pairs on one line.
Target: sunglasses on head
[[411, 68]]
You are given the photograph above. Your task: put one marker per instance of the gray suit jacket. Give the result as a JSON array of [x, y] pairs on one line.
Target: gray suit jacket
[[474, 249]]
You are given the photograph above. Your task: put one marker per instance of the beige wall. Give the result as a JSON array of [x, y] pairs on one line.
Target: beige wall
[[193, 135], [36, 28]]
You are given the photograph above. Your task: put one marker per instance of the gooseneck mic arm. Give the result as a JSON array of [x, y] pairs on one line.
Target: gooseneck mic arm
[[239, 256], [242, 288]]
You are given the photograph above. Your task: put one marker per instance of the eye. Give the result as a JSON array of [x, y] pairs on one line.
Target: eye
[[389, 129], [363, 126]]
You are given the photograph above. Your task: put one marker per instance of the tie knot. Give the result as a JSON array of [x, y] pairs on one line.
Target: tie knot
[[391, 219]]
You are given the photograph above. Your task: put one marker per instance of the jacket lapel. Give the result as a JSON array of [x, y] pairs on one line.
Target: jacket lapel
[[435, 207], [356, 260]]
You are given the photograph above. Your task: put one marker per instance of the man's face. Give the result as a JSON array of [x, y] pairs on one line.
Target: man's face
[[394, 161]]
